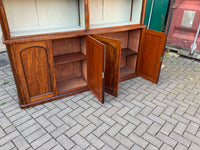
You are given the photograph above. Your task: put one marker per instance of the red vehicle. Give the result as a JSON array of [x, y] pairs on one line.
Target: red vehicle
[[183, 32]]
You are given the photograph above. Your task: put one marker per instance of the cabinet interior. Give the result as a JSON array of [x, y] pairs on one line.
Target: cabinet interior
[[27, 17], [129, 50], [70, 59], [70, 63], [107, 13]]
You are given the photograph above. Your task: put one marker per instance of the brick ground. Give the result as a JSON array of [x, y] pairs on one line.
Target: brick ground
[[144, 116]]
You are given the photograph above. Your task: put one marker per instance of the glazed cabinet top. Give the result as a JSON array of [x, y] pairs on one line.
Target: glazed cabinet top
[[31, 18]]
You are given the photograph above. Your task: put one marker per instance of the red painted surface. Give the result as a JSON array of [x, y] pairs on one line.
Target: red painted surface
[[179, 35]]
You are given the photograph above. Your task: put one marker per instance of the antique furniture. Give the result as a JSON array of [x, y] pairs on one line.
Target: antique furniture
[[59, 48]]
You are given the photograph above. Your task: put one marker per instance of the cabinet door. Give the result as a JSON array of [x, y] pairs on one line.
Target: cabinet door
[[151, 54], [112, 63], [36, 70], [95, 67]]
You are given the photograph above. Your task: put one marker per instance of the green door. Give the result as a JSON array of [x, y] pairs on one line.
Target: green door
[[159, 13]]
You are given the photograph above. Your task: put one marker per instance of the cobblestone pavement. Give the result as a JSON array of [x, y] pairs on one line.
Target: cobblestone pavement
[[144, 116]]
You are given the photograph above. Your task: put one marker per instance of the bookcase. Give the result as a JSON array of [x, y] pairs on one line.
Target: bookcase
[[59, 48]]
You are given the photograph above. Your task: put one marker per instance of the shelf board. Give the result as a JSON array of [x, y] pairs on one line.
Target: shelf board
[[67, 34], [126, 71], [127, 52], [71, 84], [68, 58]]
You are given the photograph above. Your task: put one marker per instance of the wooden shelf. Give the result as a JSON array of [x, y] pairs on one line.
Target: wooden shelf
[[127, 52], [71, 84], [126, 71], [68, 58], [67, 34]]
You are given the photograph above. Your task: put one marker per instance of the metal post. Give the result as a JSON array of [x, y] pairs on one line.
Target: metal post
[[150, 15], [194, 45]]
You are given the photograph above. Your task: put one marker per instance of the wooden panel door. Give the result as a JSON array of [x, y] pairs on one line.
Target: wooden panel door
[[95, 67], [35, 68], [151, 54], [112, 63]]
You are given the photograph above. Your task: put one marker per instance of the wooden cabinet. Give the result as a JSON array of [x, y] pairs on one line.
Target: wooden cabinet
[[65, 47]]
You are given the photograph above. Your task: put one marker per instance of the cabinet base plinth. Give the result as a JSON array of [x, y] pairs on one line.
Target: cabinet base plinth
[[131, 76], [24, 106]]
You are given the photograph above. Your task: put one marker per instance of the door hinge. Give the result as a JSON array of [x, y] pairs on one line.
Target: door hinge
[[161, 59], [102, 75]]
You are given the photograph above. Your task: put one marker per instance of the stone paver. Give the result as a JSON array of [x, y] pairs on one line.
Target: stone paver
[[147, 116]]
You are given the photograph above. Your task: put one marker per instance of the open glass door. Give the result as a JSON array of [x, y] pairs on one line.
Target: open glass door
[[95, 67], [150, 54], [112, 63]]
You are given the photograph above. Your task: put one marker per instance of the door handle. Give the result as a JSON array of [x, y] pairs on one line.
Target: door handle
[[102, 75]]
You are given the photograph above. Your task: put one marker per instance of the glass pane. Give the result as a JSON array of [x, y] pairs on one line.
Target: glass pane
[[188, 18], [26, 17], [106, 13], [137, 10]]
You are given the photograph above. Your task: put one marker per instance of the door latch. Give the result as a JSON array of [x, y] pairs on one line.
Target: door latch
[[161, 59], [102, 75]]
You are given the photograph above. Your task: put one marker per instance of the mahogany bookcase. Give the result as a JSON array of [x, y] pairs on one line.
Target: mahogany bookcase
[[59, 48]]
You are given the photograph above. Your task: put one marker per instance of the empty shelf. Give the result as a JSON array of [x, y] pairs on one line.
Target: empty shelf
[[127, 52], [126, 71], [71, 84], [68, 58]]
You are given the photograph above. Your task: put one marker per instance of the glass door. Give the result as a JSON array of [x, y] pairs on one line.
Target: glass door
[[28, 17], [108, 13]]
